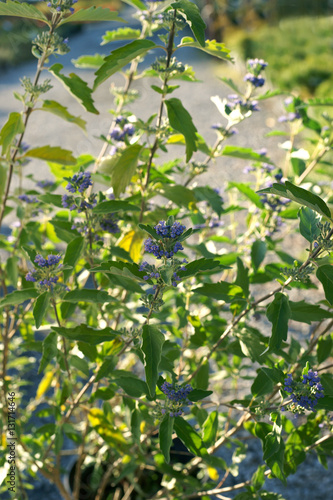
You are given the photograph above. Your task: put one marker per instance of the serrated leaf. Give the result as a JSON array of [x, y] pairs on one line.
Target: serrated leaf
[[51, 153], [49, 350], [108, 207], [13, 126], [200, 265], [89, 61], [245, 154], [57, 109], [308, 220], [88, 295], [120, 58], [18, 9], [165, 436], [320, 101], [307, 313], [180, 195], [325, 276], [278, 313], [124, 168], [72, 255], [77, 87], [208, 194], [87, 334], [120, 34], [247, 191], [181, 121], [152, 343], [41, 308], [92, 14], [230, 84], [18, 297], [193, 18], [211, 47], [299, 195], [220, 291]]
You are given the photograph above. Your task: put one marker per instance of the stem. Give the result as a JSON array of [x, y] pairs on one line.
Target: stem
[[27, 111], [154, 147]]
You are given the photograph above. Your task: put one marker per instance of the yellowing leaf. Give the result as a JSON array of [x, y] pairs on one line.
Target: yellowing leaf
[[45, 384], [132, 243], [105, 429], [212, 473]]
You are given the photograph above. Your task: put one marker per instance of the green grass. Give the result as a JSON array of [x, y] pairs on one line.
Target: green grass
[[299, 52]]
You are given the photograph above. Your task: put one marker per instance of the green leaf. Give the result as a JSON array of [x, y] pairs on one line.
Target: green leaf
[[220, 291], [75, 86], [247, 191], [92, 14], [152, 343], [245, 154], [124, 167], [132, 386], [206, 193], [242, 278], [198, 394], [57, 109], [120, 34], [50, 153], [87, 334], [324, 348], [325, 276], [18, 297], [72, 255], [18, 9], [41, 308], [230, 84], [200, 265], [49, 350], [11, 128], [180, 195], [181, 121], [307, 313], [89, 61], [211, 47], [12, 268], [88, 295], [301, 196], [120, 57], [165, 436], [189, 436], [209, 428], [278, 313], [193, 18], [262, 384], [308, 221], [258, 252], [107, 207], [136, 3]]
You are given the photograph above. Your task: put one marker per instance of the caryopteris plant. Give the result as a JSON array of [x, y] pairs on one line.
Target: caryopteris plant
[[159, 307]]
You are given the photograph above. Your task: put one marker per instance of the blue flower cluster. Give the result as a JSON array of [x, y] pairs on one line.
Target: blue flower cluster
[[46, 276], [255, 66], [177, 397], [63, 6], [244, 104], [45, 184], [168, 231], [305, 394], [109, 224], [28, 199], [122, 129], [155, 248], [68, 202], [79, 182], [290, 117]]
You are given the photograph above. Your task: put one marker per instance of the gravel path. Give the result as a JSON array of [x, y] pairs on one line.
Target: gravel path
[[47, 129]]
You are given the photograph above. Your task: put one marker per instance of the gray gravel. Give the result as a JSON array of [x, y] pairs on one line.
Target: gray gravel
[[311, 482]]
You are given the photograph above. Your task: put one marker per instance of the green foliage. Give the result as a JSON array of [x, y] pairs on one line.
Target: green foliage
[[181, 121]]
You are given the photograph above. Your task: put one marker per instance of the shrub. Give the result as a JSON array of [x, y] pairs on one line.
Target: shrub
[[144, 317]]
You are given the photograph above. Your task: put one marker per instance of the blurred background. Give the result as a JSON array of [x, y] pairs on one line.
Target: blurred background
[[294, 35]]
